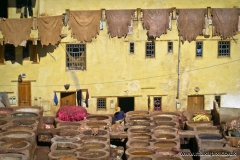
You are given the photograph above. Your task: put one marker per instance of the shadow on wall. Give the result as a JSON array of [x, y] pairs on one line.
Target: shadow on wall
[[75, 80], [43, 50]]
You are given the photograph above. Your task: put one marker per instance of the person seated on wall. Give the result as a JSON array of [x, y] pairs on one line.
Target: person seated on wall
[[119, 116]]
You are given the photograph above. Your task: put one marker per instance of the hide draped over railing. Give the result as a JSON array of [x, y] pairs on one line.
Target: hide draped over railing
[[49, 29], [225, 21], [16, 31], [85, 24], [190, 23], [156, 21], [118, 22]]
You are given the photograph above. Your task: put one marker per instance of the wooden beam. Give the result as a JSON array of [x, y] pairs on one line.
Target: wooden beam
[[8, 92], [66, 91], [24, 80], [116, 96], [157, 95], [82, 89], [207, 94]]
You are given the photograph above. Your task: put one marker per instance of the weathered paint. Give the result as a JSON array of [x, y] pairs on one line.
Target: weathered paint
[[112, 71]]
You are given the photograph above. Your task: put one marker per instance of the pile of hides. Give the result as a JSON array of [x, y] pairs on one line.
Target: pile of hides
[[71, 113], [84, 24], [191, 23], [118, 22], [156, 21], [4, 101], [201, 116], [49, 29]]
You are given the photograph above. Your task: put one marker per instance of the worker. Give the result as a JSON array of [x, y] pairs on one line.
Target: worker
[[119, 116]]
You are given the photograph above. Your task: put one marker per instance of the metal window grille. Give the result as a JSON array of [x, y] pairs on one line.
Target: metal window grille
[[218, 100], [9, 52], [101, 103], [132, 47], [199, 48], [224, 48], [76, 56], [150, 49], [170, 47], [157, 103]]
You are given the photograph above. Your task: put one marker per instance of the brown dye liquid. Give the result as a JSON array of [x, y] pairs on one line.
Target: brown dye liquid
[[165, 130], [142, 137], [166, 137], [140, 131], [141, 153], [96, 118], [3, 122], [63, 148], [92, 147], [165, 144], [139, 144]]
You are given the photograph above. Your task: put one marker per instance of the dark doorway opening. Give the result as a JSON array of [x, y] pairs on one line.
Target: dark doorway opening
[[3, 8], [126, 103]]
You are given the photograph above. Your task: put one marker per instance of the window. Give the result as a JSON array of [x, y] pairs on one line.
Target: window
[[9, 52], [199, 46], [224, 48], [150, 49], [170, 47], [19, 5], [101, 103], [131, 45], [76, 56], [218, 100], [157, 103]]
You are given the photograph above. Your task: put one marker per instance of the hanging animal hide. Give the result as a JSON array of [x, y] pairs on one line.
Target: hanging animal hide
[[191, 23], [49, 29], [225, 22], [118, 22], [15, 31], [85, 25], [156, 21]]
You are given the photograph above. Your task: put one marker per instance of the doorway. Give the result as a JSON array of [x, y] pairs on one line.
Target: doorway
[[68, 99], [195, 103], [24, 93], [126, 103]]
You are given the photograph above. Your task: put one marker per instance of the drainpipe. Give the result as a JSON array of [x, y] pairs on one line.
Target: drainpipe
[[179, 53]]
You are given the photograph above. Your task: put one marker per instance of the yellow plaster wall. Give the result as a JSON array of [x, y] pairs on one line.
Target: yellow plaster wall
[[111, 70]]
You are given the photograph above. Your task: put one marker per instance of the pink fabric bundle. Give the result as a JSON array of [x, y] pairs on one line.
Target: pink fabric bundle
[[71, 113]]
